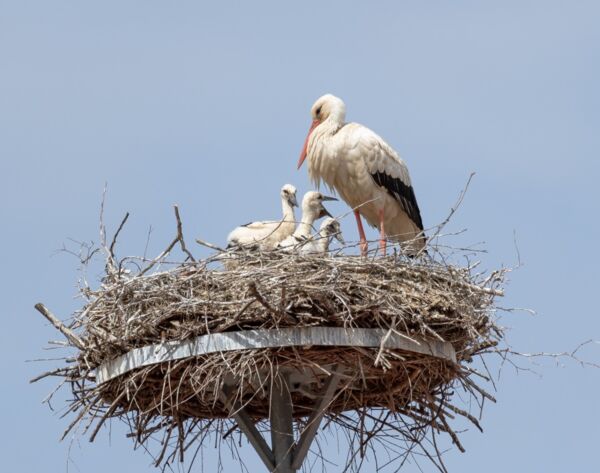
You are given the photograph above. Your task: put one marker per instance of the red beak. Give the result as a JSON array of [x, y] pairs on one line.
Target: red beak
[[314, 125]]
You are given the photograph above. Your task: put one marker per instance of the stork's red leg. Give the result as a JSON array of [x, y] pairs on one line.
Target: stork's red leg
[[382, 240], [364, 246]]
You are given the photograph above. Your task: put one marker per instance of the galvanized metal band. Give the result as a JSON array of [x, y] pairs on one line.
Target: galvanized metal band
[[270, 338]]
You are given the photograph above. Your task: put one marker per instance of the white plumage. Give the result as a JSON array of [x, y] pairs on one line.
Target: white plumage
[[319, 244], [267, 234], [312, 210], [366, 172]]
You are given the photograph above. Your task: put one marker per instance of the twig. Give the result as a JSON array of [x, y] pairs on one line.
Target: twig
[[114, 240], [74, 339], [259, 297], [454, 207], [180, 234], [210, 245]]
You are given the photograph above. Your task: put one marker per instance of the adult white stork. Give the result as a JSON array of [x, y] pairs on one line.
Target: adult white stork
[[268, 233], [367, 173], [312, 210]]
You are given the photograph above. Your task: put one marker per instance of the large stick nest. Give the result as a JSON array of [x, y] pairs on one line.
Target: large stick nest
[[397, 395]]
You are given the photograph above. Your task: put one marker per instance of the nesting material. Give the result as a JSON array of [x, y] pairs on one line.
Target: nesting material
[[400, 394]]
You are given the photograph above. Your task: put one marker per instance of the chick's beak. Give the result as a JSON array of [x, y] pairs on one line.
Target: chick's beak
[[326, 197], [324, 212]]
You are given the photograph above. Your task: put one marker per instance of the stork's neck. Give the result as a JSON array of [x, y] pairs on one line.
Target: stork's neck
[[323, 241], [320, 151], [331, 125], [305, 228], [288, 211]]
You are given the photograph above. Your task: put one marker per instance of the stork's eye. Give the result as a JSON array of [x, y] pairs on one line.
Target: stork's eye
[[318, 111]]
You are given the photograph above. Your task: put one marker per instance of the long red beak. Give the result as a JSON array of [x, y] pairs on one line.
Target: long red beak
[[314, 125]]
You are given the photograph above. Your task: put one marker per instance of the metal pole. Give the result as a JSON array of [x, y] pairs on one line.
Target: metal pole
[[247, 426], [314, 421], [285, 455], [282, 427]]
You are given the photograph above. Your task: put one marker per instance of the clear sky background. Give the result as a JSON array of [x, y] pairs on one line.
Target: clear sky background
[[207, 105]]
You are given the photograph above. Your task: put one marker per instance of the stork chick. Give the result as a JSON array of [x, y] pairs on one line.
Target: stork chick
[[312, 210], [267, 234], [319, 244], [368, 174]]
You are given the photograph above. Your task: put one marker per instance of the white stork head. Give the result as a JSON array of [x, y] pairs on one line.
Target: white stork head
[[331, 228], [312, 206], [288, 194], [326, 108]]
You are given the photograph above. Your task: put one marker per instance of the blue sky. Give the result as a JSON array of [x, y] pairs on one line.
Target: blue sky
[[207, 105]]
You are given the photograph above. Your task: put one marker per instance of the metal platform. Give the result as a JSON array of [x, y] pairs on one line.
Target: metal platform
[[271, 338], [285, 454]]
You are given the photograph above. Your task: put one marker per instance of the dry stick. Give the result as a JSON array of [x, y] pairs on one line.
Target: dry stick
[[472, 418], [178, 238], [110, 411], [236, 318], [169, 248], [449, 431], [102, 227], [480, 390], [166, 439], [55, 372], [80, 416], [259, 297], [159, 257], [454, 207], [50, 395], [180, 438], [74, 339], [180, 234], [114, 240], [210, 245], [202, 431]]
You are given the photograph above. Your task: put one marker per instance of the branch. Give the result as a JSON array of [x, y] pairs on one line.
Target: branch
[[102, 227], [74, 339], [210, 245], [260, 298], [114, 240], [180, 235], [454, 208], [178, 238]]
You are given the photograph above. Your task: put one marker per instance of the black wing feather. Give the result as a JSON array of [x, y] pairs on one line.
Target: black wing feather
[[405, 195]]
